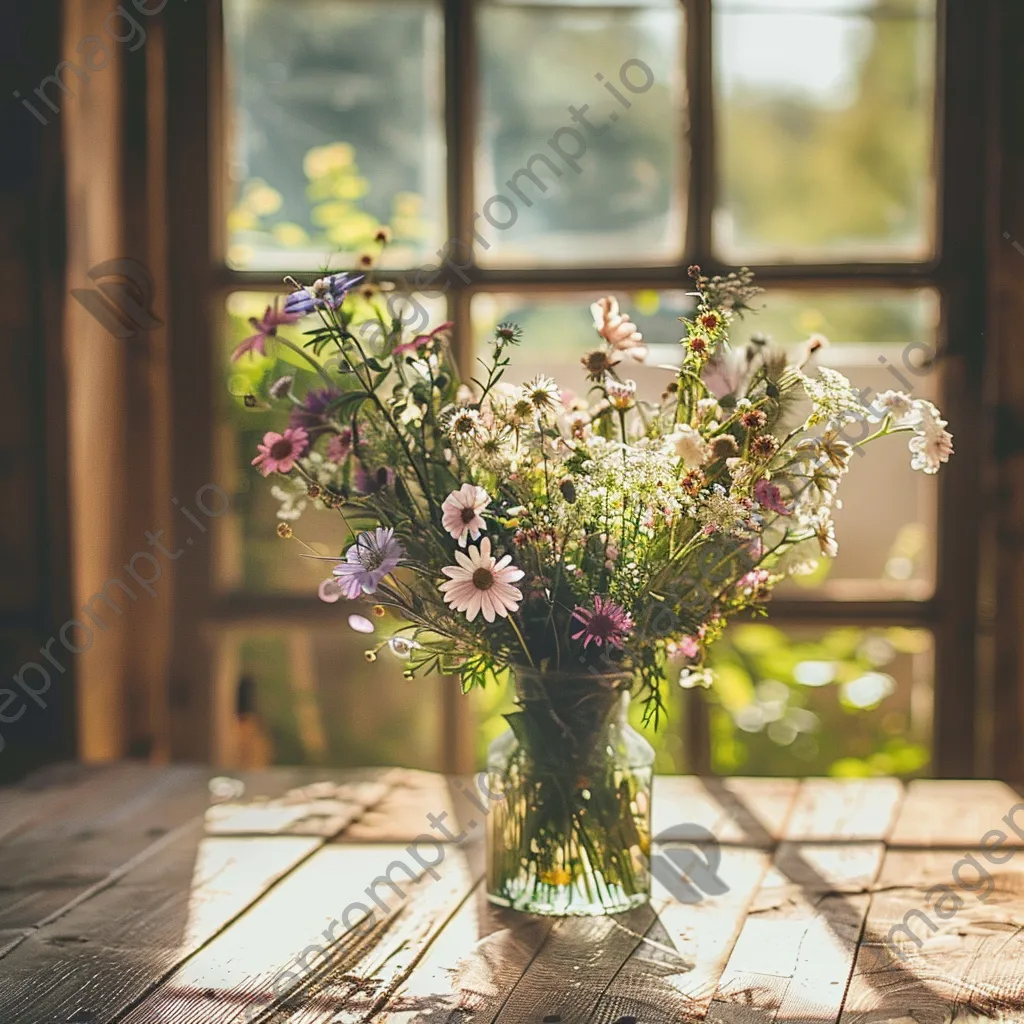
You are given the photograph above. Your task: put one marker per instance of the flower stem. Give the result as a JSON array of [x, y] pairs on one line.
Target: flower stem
[[522, 640]]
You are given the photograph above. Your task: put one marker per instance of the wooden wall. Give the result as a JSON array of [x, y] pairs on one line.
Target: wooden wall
[[1003, 584], [34, 589]]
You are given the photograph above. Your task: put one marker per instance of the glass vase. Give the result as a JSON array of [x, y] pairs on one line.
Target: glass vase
[[570, 784]]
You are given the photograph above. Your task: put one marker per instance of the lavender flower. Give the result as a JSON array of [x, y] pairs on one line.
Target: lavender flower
[[374, 555], [325, 293], [312, 415]]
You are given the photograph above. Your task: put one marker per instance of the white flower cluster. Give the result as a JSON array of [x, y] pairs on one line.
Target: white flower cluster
[[832, 397]]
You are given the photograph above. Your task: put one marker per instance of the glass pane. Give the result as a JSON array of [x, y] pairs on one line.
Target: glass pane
[[250, 555], [825, 129], [579, 149], [309, 690], [337, 127], [880, 340], [843, 701]]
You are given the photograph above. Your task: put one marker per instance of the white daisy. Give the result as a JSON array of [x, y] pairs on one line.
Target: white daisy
[[542, 393], [479, 583], [464, 424], [460, 513]]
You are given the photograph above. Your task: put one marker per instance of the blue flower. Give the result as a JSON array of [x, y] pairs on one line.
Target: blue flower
[[327, 292], [373, 556]]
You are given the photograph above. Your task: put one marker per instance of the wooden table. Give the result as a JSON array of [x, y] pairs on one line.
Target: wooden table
[[128, 894]]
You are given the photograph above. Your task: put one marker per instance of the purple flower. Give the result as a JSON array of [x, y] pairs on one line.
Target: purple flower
[[608, 623], [265, 328], [370, 482], [768, 496], [325, 293], [313, 413], [374, 554]]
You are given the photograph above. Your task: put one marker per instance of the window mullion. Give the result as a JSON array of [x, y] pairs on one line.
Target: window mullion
[[700, 106]]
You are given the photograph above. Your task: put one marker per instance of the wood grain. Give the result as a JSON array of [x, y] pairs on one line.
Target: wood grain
[[114, 816], [108, 952], [746, 812], [470, 968], [672, 974], [797, 948], [129, 899], [43, 795], [971, 967], [940, 812], [296, 935], [845, 809]]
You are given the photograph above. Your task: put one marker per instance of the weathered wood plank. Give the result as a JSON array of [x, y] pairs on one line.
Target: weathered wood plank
[[841, 810], [413, 795], [42, 795], [969, 968], [369, 979], [672, 973], [116, 816], [744, 812], [111, 950], [942, 812], [797, 948], [106, 953], [311, 929], [470, 968]]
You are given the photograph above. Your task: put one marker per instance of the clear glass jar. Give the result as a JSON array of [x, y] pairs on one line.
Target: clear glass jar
[[570, 784]]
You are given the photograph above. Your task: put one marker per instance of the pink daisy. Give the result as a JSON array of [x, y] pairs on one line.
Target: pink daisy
[[266, 327], [479, 583], [460, 513], [608, 623], [278, 452]]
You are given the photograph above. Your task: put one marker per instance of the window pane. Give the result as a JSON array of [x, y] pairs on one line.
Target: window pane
[[310, 688], [600, 186], [890, 556], [825, 129], [558, 329], [843, 701], [337, 127]]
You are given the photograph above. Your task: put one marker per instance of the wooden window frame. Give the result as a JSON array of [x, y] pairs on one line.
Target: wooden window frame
[[195, 90]]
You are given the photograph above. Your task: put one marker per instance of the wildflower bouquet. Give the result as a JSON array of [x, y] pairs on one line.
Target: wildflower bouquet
[[592, 545]]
